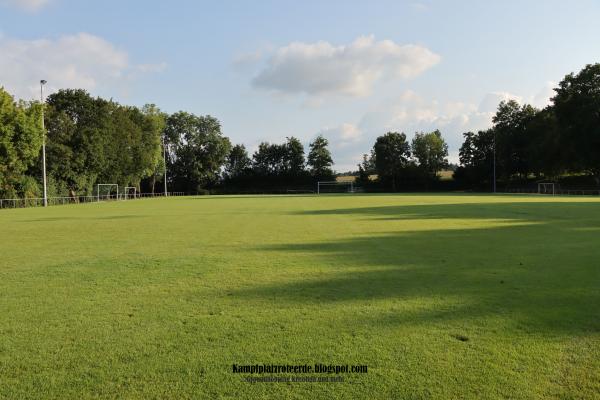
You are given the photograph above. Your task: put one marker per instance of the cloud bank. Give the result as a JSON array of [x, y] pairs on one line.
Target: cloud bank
[[72, 61], [409, 113], [348, 70], [26, 5]]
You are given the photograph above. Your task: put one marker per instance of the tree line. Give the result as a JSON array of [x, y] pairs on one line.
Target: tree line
[[90, 140], [399, 164], [560, 142], [525, 143]]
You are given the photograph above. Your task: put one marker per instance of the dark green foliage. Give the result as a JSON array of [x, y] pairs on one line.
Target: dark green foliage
[[365, 169], [21, 139], [198, 150], [562, 138], [431, 152], [294, 157], [513, 141], [477, 159], [238, 162], [319, 159], [577, 108], [547, 155], [91, 140], [148, 153], [392, 153], [285, 159], [269, 159], [274, 167]]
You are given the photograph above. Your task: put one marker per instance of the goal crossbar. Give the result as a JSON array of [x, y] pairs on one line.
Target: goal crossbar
[[349, 184]]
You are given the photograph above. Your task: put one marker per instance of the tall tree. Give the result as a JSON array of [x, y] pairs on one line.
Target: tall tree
[[392, 152], [199, 149], [238, 162], [366, 168], [431, 152], [270, 159], [512, 140], [577, 107], [476, 158], [319, 159], [148, 151], [545, 144], [21, 138], [80, 135], [294, 157]]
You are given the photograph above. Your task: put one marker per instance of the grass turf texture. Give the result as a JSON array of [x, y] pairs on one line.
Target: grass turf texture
[[441, 296]]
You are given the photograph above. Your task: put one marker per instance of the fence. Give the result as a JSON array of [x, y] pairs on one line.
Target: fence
[[557, 192], [56, 201]]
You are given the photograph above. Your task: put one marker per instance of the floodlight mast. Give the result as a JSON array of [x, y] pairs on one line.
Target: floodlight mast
[[494, 161], [42, 83], [165, 163]]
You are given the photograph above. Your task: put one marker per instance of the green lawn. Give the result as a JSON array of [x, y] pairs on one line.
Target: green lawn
[[441, 296]]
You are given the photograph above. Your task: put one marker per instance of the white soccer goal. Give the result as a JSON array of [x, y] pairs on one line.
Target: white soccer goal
[[130, 192], [546, 188], [335, 187], [104, 191]]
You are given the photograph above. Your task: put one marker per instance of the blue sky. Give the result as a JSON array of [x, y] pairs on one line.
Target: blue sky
[[271, 69]]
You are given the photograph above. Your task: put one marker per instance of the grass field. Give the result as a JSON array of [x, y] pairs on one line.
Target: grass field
[[441, 296]]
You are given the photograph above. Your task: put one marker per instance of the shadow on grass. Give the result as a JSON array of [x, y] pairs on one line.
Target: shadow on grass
[[50, 219], [70, 218], [111, 217], [538, 268]]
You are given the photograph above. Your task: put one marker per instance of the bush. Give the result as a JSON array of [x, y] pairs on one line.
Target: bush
[[29, 188]]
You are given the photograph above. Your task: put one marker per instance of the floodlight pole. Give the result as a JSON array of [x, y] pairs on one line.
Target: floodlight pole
[[494, 161], [165, 162], [42, 83]]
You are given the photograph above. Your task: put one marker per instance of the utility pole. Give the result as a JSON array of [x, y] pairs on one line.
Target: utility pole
[[494, 161], [165, 162], [42, 83]]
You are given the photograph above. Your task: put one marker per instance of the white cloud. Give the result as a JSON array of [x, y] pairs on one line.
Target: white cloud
[[27, 5], [544, 96], [160, 67], [349, 70], [410, 113], [419, 6], [491, 100], [541, 99], [73, 61]]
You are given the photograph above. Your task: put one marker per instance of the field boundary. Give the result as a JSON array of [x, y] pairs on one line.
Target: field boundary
[[29, 202], [558, 192]]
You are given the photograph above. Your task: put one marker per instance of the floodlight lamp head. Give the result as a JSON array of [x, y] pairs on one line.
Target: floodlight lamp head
[[43, 82]]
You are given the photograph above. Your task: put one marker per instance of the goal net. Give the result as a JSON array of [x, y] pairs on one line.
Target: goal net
[[546, 188], [107, 191], [335, 187]]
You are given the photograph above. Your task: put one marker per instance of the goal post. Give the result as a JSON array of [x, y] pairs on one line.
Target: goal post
[[108, 186], [335, 187], [130, 191], [546, 188]]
